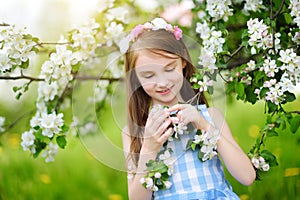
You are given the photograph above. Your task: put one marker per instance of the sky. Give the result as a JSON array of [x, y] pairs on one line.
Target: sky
[[46, 19]]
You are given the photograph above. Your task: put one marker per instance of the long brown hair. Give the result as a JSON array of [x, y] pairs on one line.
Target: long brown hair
[[160, 42]]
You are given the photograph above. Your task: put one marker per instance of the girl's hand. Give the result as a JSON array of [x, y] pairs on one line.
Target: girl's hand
[[189, 114], [156, 131]]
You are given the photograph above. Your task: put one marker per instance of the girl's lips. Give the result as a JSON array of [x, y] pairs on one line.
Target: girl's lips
[[165, 92]]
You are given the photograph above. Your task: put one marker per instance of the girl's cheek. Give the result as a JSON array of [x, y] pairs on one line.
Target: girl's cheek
[[148, 86]]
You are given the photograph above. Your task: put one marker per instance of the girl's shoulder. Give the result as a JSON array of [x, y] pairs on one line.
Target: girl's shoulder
[[210, 112]]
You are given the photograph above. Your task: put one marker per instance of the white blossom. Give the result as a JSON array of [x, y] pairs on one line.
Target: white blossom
[[113, 31], [118, 13], [50, 152], [205, 83], [89, 127], [207, 60], [219, 9], [5, 64], [168, 184], [51, 124], [104, 4], [270, 67], [253, 5], [47, 91], [28, 141], [2, 121], [274, 94], [157, 175], [255, 162], [265, 167], [295, 7]]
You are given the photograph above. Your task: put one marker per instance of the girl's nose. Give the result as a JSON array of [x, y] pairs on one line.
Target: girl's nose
[[162, 81]]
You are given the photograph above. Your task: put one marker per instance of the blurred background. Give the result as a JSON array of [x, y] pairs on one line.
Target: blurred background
[[76, 173]]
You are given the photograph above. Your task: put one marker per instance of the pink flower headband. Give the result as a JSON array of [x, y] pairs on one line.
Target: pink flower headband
[[155, 24]]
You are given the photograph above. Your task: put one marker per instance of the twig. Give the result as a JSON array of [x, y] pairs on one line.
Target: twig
[[279, 10], [52, 43], [234, 53], [4, 24], [17, 120]]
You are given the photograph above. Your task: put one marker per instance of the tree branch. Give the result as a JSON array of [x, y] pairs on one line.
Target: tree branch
[[21, 77], [81, 78]]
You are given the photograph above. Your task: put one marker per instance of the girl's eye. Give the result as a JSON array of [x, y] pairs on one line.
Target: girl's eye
[[170, 69], [148, 76]]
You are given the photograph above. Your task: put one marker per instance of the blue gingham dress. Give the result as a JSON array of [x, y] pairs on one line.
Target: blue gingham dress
[[193, 179]]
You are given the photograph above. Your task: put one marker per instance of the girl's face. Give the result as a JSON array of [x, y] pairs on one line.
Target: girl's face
[[160, 76]]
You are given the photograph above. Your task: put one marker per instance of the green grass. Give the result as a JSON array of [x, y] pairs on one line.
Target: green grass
[[76, 174]]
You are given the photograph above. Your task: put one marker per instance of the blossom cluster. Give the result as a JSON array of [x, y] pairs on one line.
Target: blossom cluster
[[260, 164], [295, 7], [116, 17], [84, 39], [43, 125], [277, 86], [208, 143], [260, 38], [16, 47], [219, 9], [251, 5], [159, 172], [155, 24], [212, 44]]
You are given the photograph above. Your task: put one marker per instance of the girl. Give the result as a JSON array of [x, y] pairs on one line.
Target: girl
[[158, 69]]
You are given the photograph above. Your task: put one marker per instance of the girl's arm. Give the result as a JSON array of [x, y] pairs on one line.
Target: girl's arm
[[135, 188], [236, 161]]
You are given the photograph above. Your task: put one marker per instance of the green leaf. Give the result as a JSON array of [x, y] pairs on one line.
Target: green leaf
[[65, 128], [250, 95], [294, 124], [263, 92], [188, 144], [289, 97], [193, 146], [269, 157], [271, 133], [25, 65], [271, 106], [240, 89], [258, 75], [39, 146], [61, 141], [200, 155], [16, 88], [287, 18], [18, 96]]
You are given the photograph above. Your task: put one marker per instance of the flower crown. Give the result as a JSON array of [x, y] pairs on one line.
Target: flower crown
[[154, 25]]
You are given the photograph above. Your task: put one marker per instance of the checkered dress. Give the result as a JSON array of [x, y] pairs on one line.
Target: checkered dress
[[193, 179]]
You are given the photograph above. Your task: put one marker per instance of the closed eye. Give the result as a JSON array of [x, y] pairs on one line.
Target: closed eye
[[169, 69], [148, 76]]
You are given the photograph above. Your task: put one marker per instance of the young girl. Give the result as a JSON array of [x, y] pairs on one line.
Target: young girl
[[158, 69]]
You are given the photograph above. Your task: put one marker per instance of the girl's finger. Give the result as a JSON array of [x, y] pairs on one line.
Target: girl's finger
[[158, 122], [165, 135], [175, 107]]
